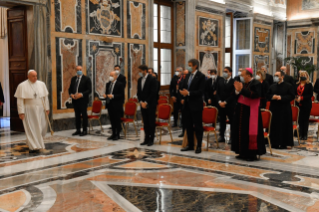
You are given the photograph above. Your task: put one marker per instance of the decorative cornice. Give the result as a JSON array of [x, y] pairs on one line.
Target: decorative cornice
[[211, 6], [243, 6]]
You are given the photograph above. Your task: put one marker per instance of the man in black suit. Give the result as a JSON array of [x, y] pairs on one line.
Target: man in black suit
[[121, 78], [146, 94], [181, 82], [114, 94], [210, 88], [173, 91], [80, 90], [269, 78], [288, 79], [158, 84], [192, 91], [225, 99], [316, 88]]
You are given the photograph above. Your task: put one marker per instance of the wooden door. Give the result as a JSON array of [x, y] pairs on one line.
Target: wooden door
[[18, 59]]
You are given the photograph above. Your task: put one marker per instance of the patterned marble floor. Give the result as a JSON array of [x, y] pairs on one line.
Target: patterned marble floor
[[93, 174]]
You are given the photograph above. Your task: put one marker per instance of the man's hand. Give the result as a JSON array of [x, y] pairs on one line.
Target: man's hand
[[184, 92], [215, 92], [274, 97], [72, 96], [209, 101], [104, 96], [48, 112], [298, 99], [182, 101], [278, 97], [174, 99], [21, 116], [222, 104], [110, 96], [78, 96], [143, 105], [238, 86]]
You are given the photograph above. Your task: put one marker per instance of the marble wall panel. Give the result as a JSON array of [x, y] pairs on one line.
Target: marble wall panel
[[68, 16], [136, 20], [305, 42], [280, 2], [68, 56], [180, 58], [180, 23], [259, 61], [262, 40], [208, 60], [310, 4], [208, 32], [101, 59], [305, 61], [279, 45], [136, 57], [289, 49], [104, 17]]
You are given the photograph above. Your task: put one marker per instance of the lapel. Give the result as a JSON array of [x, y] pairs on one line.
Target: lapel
[[146, 82], [193, 80]]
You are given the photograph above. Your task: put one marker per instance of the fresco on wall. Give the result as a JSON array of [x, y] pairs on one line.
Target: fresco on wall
[[68, 16], [104, 17], [208, 32], [305, 42], [68, 56], [259, 61], [180, 23], [208, 60], [136, 57], [136, 20], [180, 58], [310, 4], [262, 40], [305, 61], [101, 59]]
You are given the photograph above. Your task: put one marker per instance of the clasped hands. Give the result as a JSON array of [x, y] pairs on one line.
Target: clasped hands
[[76, 96], [298, 99], [110, 96], [184, 92], [276, 97], [143, 105]]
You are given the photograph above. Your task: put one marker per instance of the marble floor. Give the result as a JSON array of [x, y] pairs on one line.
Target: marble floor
[[93, 174]]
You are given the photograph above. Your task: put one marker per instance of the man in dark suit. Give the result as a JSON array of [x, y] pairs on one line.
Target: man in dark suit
[[121, 78], [288, 79], [210, 88], [146, 94], [192, 91], [269, 78], [181, 82], [158, 84], [316, 88], [114, 94], [80, 90], [225, 99], [173, 91]]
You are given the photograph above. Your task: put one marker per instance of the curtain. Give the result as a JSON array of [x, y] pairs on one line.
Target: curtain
[[4, 61]]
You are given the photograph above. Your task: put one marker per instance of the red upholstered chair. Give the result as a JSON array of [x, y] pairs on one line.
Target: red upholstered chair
[[312, 98], [163, 97], [164, 113], [96, 113], [209, 117], [268, 105], [129, 116], [292, 103], [133, 100], [162, 101], [315, 112], [295, 118], [204, 104], [266, 116]]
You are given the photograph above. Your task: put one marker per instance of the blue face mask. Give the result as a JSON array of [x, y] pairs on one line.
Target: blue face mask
[[79, 73], [141, 74], [190, 69]]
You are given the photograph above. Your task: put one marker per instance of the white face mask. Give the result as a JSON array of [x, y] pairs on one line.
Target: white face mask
[[276, 79], [242, 79], [225, 75], [117, 72], [141, 74], [177, 73], [257, 77], [213, 76], [111, 79], [239, 73]]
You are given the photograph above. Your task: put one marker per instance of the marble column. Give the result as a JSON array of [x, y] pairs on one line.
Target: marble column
[[150, 32], [190, 29]]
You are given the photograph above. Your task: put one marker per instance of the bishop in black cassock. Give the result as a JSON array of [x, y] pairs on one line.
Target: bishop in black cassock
[[247, 129], [281, 94]]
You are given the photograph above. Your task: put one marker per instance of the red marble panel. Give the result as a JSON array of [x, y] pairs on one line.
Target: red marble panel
[[180, 24], [68, 14], [180, 58], [136, 58], [136, 19]]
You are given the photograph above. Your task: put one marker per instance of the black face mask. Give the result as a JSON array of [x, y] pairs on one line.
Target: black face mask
[[303, 78]]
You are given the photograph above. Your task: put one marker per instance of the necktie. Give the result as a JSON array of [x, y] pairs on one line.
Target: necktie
[[190, 80], [76, 85], [143, 82], [213, 81]]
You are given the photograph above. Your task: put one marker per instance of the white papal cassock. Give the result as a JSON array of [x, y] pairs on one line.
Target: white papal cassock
[[30, 96]]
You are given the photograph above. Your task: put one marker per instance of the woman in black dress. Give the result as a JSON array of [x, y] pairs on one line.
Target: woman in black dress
[[303, 100], [260, 76]]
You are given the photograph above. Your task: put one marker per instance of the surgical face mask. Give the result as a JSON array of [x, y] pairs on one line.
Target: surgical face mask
[[225, 75], [117, 72], [190, 69], [239, 73], [257, 77], [177, 73], [213, 76], [276, 79], [141, 74], [79, 72], [303, 78], [111, 79], [242, 79]]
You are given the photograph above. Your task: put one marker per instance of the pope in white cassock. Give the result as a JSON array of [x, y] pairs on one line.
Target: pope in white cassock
[[32, 97]]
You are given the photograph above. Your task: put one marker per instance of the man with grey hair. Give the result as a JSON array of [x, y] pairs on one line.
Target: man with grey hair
[[33, 103], [269, 78], [173, 91], [288, 78]]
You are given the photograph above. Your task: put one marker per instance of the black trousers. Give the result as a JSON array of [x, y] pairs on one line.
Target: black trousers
[[304, 115], [148, 116], [115, 118], [223, 112], [80, 109], [193, 120], [177, 107]]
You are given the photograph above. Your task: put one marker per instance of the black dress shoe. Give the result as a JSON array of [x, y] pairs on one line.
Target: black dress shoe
[[144, 143], [181, 135], [34, 151], [150, 144], [76, 133], [187, 149], [115, 138], [253, 158], [198, 150], [84, 133], [221, 140], [111, 137], [240, 157], [175, 125]]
